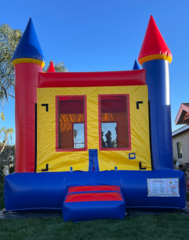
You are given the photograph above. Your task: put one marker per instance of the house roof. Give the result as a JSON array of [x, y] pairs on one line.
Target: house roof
[[180, 130], [187, 104], [154, 46], [183, 114]]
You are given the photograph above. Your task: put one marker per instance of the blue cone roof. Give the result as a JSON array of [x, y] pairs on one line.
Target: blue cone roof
[[29, 46], [136, 66]]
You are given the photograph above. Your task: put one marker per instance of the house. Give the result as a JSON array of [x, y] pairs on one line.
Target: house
[[183, 114], [181, 144], [180, 136]]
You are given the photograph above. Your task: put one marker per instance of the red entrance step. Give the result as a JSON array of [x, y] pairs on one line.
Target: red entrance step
[[83, 203]]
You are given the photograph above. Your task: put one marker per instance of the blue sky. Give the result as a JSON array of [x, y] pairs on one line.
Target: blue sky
[[104, 35]]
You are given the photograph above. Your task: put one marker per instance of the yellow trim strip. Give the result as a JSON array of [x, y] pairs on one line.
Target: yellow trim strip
[[28, 60], [154, 57]]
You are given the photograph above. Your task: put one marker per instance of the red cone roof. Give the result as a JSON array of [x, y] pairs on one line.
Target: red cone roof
[[153, 46], [51, 68]]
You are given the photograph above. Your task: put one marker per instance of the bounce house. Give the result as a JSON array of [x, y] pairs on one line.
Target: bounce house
[[93, 144]]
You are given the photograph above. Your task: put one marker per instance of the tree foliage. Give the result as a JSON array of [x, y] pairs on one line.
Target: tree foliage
[[59, 67], [5, 131], [3, 92], [9, 39]]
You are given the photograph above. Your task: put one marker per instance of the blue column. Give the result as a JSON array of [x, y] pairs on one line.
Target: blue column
[[157, 79]]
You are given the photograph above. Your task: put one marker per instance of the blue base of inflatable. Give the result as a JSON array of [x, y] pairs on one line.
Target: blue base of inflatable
[[47, 190]]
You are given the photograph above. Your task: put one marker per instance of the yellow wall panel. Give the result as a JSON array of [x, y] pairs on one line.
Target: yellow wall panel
[[79, 160]]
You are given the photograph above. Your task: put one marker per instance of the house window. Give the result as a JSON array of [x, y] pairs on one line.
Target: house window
[[179, 149], [114, 122], [71, 123]]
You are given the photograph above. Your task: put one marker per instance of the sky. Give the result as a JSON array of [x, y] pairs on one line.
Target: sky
[[104, 35]]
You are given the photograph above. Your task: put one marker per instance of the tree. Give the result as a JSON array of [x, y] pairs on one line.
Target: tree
[[9, 39], [75, 135], [3, 92], [7, 157], [6, 131], [59, 67]]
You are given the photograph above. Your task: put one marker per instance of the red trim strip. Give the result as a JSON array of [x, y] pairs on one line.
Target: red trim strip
[[93, 197], [71, 98], [92, 79], [93, 188]]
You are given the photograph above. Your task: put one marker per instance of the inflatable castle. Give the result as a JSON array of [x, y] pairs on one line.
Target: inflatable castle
[[93, 144]]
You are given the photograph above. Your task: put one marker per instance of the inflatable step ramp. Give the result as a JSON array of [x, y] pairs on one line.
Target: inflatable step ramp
[[84, 203]]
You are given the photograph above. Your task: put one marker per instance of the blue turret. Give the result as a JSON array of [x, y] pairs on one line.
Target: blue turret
[[136, 66], [155, 57]]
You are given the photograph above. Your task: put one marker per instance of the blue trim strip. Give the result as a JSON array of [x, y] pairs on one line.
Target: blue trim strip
[[90, 160], [95, 157]]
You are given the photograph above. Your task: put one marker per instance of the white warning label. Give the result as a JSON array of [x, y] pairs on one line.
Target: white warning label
[[163, 187]]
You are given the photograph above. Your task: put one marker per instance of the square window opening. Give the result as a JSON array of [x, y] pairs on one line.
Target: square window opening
[[71, 126], [114, 122]]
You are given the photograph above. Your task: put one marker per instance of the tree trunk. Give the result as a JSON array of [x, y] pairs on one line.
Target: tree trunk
[[6, 135]]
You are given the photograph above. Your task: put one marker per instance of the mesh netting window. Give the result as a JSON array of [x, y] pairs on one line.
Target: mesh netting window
[[71, 123], [114, 122]]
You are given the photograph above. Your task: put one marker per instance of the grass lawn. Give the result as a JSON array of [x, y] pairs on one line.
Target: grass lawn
[[164, 227]]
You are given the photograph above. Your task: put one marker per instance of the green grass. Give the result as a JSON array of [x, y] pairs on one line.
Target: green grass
[[164, 227]]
